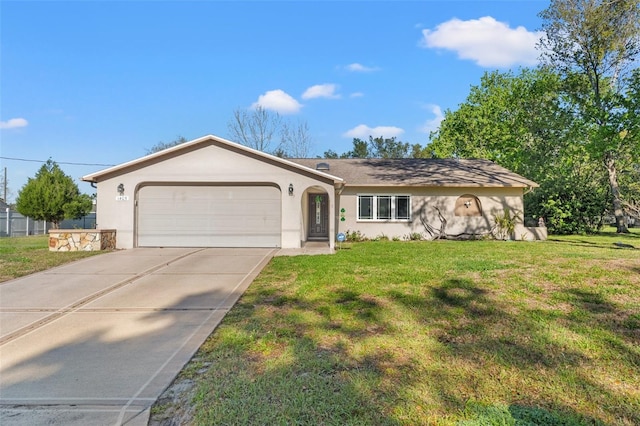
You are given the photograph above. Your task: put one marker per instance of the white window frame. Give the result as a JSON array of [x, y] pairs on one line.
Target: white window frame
[[374, 206]]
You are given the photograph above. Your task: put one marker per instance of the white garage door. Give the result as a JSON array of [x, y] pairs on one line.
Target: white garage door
[[208, 216]]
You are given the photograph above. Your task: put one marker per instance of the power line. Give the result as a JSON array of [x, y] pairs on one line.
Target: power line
[[57, 162]]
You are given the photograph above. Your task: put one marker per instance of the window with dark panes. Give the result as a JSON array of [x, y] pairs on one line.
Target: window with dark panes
[[403, 211], [384, 207], [365, 207]]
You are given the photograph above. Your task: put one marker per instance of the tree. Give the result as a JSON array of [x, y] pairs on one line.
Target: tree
[[360, 150], [630, 176], [257, 129], [524, 123], [160, 146], [268, 132], [52, 196], [296, 139], [419, 151], [388, 147], [591, 43], [379, 147], [4, 186], [78, 207], [330, 154], [518, 121]]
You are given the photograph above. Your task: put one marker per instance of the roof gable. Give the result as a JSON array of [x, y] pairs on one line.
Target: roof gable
[[202, 142]]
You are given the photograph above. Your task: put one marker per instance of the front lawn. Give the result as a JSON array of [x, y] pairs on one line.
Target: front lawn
[[405, 333], [21, 256]]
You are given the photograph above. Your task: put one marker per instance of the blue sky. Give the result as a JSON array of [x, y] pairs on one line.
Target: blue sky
[[100, 82]]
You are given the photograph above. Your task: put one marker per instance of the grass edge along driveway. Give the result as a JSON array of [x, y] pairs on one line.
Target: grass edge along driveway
[[20, 256], [442, 332]]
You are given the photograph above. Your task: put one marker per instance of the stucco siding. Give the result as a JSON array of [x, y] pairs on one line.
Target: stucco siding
[[468, 193], [208, 164], [425, 203]]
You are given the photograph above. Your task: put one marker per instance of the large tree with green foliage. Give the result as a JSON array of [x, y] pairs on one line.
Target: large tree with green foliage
[[630, 177], [52, 196], [518, 121], [523, 122], [591, 43]]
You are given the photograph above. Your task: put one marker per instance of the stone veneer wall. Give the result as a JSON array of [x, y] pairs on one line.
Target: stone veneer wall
[[82, 239]]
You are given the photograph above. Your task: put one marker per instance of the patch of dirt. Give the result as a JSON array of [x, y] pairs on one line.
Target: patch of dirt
[[174, 408]]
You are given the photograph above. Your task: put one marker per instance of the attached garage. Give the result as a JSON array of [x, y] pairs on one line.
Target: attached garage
[[208, 215], [210, 192]]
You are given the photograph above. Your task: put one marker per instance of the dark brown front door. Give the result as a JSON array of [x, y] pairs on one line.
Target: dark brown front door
[[318, 216]]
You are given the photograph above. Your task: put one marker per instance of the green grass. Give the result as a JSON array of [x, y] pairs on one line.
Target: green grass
[[406, 333], [21, 256]]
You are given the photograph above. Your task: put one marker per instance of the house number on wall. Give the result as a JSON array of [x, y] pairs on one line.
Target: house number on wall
[[122, 198]]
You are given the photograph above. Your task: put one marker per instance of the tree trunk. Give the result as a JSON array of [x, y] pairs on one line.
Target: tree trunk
[[618, 212]]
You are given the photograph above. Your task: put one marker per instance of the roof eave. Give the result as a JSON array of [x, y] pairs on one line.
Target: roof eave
[[442, 185]]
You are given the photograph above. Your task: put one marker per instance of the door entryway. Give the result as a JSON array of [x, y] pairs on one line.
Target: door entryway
[[318, 217]]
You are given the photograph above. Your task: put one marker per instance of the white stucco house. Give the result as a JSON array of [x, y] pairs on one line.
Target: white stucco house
[[211, 192]]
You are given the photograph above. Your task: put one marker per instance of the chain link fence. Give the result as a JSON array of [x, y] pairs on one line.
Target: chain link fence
[[13, 224]]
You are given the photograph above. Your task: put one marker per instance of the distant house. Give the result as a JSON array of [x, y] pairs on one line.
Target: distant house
[[211, 192]]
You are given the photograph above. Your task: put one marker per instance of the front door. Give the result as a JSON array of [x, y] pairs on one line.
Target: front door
[[318, 216]]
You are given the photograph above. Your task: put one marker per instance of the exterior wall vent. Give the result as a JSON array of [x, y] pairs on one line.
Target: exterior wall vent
[[322, 166]]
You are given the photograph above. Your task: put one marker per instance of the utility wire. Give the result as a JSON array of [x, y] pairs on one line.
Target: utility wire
[[57, 162]]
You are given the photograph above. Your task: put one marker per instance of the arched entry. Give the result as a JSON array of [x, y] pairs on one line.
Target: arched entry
[[317, 214]]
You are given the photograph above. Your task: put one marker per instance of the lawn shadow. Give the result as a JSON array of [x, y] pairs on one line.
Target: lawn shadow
[[591, 301], [595, 312], [476, 328], [604, 239], [285, 373], [499, 414], [479, 325], [596, 244]]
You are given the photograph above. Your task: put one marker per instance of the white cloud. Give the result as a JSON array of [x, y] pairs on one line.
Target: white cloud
[[278, 101], [13, 123], [326, 90], [356, 67], [364, 131], [356, 95], [487, 42], [433, 123]]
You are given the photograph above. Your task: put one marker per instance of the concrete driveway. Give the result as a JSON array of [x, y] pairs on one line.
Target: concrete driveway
[[96, 342]]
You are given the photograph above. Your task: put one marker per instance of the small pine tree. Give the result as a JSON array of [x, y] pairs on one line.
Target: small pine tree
[[52, 196]]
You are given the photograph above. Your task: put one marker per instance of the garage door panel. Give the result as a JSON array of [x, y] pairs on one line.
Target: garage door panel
[[209, 216]]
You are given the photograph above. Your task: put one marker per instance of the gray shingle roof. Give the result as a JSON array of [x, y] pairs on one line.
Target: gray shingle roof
[[419, 172]]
